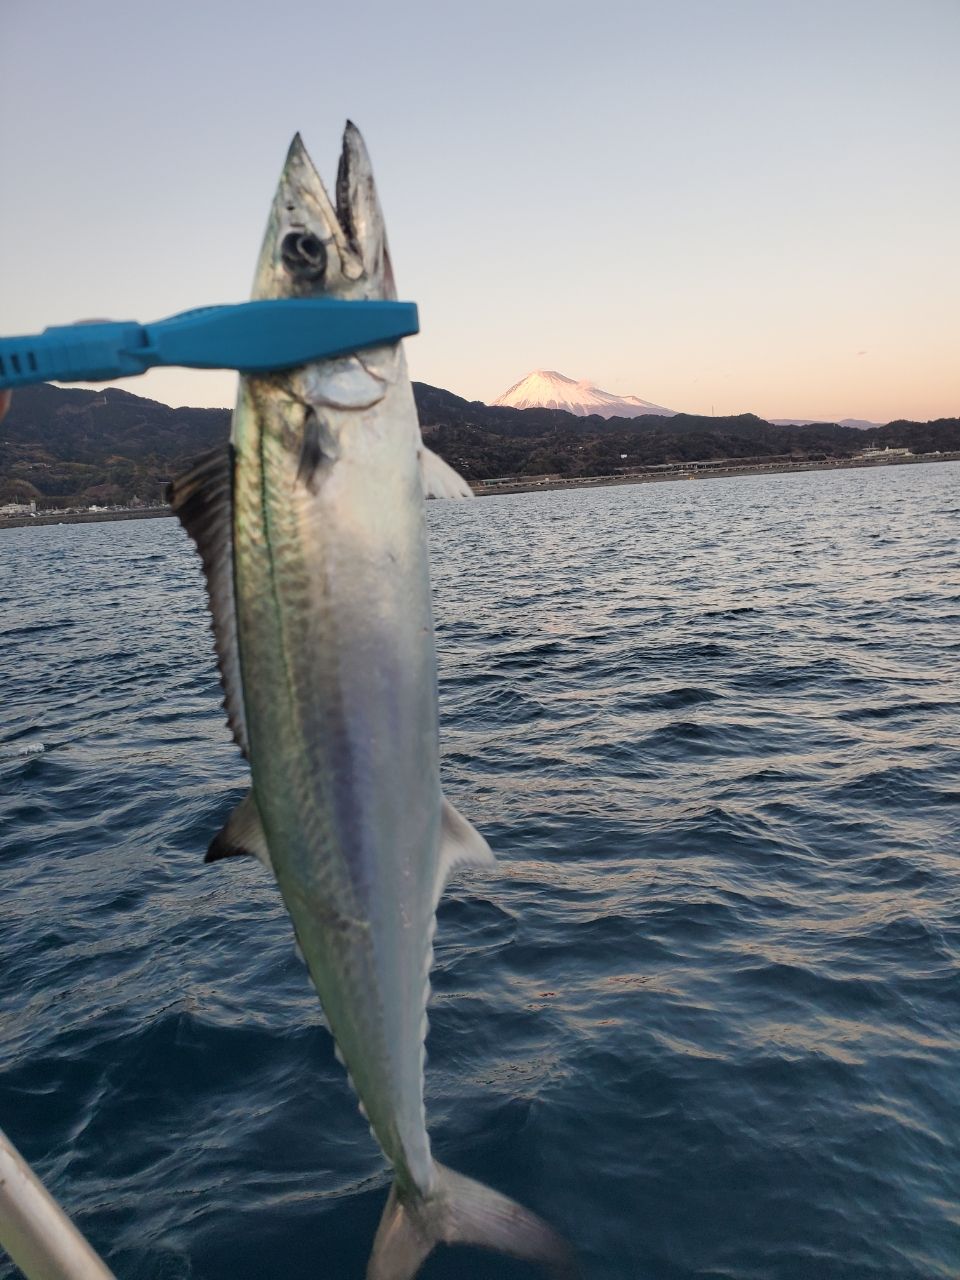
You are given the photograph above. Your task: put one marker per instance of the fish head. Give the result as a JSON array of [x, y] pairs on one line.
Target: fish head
[[315, 249]]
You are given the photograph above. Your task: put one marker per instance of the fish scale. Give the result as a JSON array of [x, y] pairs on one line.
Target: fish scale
[[298, 599]]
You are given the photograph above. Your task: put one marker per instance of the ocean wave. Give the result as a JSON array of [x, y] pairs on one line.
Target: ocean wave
[[703, 1012]]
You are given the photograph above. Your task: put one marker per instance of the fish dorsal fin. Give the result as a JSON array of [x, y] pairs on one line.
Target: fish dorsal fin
[[241, 834], [461, 844], [202, 500], [439, 479]]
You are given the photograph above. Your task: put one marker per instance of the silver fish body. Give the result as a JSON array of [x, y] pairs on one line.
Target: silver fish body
[[312, 533], [336, 644]]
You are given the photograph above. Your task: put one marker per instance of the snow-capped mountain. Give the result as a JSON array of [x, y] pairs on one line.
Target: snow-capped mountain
[[547, 389]]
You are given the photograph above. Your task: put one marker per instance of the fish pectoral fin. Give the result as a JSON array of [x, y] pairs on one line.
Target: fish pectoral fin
[[461, 845], [242, 834], [461, 1211], [439, 479]]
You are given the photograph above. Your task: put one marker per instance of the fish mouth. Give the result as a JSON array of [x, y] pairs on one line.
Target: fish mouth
[[313, 248]]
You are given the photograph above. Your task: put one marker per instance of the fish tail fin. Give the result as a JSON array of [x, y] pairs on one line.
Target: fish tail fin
[[461, 1211]]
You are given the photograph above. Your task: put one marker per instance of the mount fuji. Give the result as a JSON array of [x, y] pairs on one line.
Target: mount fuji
[[547, 389]]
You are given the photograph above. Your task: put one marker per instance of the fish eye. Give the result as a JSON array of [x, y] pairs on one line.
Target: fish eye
[[303, 255]]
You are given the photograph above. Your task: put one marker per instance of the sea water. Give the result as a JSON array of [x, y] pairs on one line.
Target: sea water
[[705, 1015]]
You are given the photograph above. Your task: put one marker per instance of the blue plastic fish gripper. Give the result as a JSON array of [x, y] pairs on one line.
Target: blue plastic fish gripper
[[253, 337]]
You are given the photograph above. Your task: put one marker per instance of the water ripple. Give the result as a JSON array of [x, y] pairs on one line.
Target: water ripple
[[705, 1013]]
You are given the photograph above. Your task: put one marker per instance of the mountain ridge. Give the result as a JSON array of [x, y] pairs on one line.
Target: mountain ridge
[[550, 389], [71, 446]]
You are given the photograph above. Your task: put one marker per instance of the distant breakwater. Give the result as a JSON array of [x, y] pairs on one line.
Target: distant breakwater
[[713, 472], [83, 517]]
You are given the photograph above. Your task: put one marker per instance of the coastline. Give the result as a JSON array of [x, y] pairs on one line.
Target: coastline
[[697, 471], [83, 517]]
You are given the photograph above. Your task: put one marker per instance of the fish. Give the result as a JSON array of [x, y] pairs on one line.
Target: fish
[[311, 530]]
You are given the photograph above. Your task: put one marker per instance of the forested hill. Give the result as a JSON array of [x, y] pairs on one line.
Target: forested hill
[[483, 440], [67, 446]]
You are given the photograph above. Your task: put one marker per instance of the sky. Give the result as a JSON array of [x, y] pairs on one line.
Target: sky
[[717, 205]]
